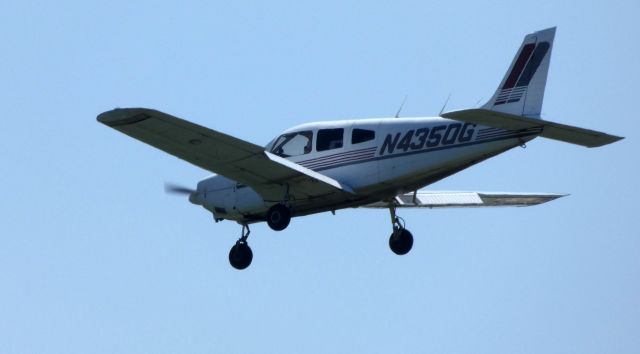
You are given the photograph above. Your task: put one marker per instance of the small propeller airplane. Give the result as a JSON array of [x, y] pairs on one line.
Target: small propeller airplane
[[370, 163]]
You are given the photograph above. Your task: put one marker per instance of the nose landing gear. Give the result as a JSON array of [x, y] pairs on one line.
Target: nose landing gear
[[401, 239], [240, 255]]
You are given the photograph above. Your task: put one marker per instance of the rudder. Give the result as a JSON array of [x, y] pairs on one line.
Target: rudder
[[522, 89]]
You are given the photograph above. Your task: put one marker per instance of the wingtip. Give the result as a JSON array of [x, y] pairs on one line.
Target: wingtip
[[104, 117], [122, 116]]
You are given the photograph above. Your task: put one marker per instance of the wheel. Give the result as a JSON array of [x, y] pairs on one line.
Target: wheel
[[240, 256], [401, 241], [278, 217]]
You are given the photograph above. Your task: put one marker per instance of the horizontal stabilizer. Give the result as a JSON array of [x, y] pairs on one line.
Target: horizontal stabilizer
[[466, 200], [551, 130]]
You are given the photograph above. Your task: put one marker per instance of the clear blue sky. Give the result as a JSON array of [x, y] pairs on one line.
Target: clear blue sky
[[95, 258]]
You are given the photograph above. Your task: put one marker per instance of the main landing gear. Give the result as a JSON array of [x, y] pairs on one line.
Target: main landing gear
[[278, 217], [401, 239], [241, 255]]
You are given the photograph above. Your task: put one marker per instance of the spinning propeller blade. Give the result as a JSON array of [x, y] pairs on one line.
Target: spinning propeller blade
[[171, 188]]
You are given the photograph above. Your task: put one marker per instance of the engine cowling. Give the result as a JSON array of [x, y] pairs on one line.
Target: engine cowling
[[228, 199]]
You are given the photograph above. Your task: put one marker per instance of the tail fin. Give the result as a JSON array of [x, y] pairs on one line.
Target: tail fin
[[517, 102], [522, 88]]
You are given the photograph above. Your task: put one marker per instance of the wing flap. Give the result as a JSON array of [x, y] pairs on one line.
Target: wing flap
[[220, 153], [466, 200], [550, 130]]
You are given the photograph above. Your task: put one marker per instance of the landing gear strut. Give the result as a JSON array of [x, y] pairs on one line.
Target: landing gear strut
[[241, 255], [278, 217], [401, 239]]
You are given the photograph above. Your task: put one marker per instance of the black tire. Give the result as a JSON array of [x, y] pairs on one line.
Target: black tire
[[278, 217], [240, 256], [401, 241]]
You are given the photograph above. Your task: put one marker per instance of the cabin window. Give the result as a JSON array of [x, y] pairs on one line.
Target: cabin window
[[293, 144], [361, 135], [329, 139]]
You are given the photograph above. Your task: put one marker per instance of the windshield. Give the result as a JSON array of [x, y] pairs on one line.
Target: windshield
[[293, 144]]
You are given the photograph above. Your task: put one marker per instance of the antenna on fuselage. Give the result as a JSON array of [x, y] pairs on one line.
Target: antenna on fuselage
[[401, 105], [444, 105]]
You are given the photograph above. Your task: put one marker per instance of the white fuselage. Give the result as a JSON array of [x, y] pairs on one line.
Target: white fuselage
[[376, 158]]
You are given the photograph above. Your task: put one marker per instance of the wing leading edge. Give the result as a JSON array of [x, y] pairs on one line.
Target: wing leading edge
[[220, 153], [466, 200]]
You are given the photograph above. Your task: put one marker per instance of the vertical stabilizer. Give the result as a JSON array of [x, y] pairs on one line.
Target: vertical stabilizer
[[522, 88]]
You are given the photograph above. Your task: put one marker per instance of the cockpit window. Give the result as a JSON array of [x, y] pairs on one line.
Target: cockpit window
[[329, 139], [362, 135], [293, 144]]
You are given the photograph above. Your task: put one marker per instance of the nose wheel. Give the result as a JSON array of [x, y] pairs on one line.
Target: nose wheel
[[240, 255], [401, 240]]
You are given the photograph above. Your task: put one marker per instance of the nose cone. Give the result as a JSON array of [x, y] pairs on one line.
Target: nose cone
[[196, 198]]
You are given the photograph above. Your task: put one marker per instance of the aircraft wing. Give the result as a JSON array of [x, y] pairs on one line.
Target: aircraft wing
[[223, 154], [466, 200]]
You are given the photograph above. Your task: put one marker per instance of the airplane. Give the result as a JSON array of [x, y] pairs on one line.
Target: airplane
[[367, 163]]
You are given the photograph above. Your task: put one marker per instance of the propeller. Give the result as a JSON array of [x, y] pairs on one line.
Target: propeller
[[171, 188]]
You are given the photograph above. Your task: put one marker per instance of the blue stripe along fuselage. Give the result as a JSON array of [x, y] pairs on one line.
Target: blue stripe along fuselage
[[338, 158], [510, 135]]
